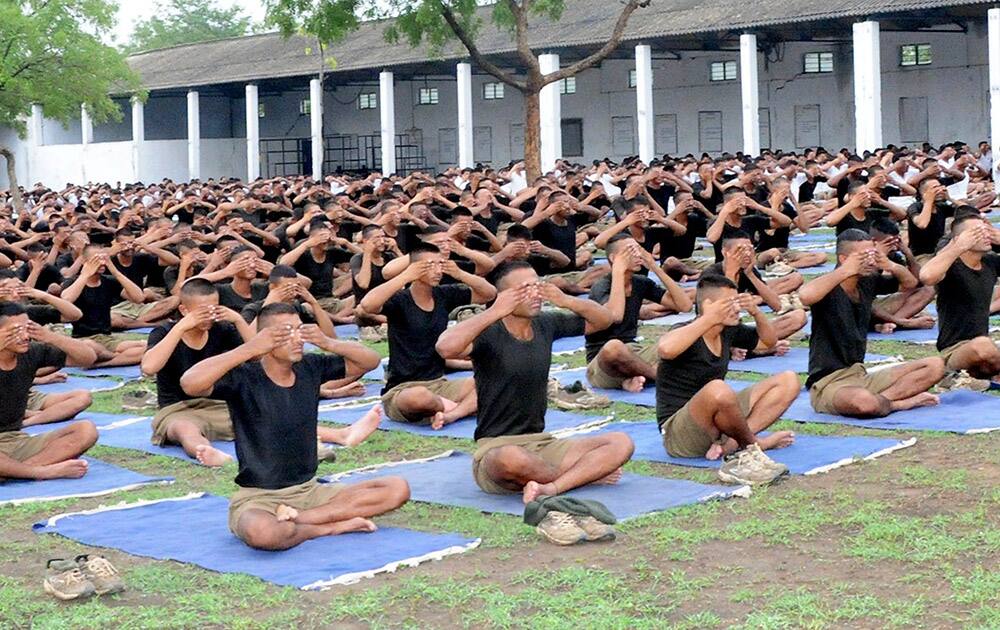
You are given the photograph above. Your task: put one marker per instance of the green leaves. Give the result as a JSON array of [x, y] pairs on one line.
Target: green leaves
[[188, 21]]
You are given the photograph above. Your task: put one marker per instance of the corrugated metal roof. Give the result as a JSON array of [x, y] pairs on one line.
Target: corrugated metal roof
[[584, 23]]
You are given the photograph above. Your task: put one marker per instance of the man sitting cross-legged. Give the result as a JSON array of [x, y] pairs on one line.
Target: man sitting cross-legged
[[965, 273], [416, 390], [26, 347], [841, 304], [698, 413], [900, 310], [272, 390], [511, 348], [616, 361]]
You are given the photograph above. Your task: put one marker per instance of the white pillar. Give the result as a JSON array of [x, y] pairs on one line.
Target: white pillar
[[34, 140], [465, 115], [550, 115], [993, 19], [645, 116], [316, 124], [253, 132], [138, 136], [748, 91], [86, 126], [387, 111], [193, 136], [867, 87]]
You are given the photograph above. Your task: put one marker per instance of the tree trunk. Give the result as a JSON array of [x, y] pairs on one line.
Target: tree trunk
[[15, 190], [532, 135]]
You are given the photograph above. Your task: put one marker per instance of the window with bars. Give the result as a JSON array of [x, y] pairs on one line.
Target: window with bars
[[817, 62], [567, 85], [427, 96], [305, 107], [632, 78], [722, 71], [368, 100], [915, 55], [492, 91]]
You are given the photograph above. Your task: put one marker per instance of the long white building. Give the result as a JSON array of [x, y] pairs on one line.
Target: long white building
[[689, 77]]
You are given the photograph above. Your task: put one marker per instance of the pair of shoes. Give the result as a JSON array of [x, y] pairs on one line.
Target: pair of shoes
[[962, 380], [374, 334], [87, 575], [575, 397], [138, 399], [566, 529], [750, 466], [326, 452], [468, 311], [779, 268]]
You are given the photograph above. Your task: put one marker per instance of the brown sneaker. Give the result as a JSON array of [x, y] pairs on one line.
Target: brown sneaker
[[561, 528], [65, 581], [962, 380], [101, 573], [595, 529], [575, 397]]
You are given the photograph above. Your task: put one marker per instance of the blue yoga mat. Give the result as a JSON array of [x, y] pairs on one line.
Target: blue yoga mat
[[645, 398], [809, 453], [314, 564], [920, 335], [101, 478], [99, 419], [555, 420], [371, 390], [347, 331], [959, 412], [137, 436], [79, 382], [127, 372], [567, 345], [448, 481], [797, 360]]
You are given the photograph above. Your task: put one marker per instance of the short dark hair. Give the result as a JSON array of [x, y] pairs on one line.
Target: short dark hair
[[710, 283], [368, 229], [852, 235], [508, 267], [274, 310], [738, 235], [461, 211], [198, 287], [885, 225], [279, 272], [10, 309], [518, 232], [420, 248], [614, 243]]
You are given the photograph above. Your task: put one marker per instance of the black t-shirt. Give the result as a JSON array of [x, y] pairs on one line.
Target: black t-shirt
[[15, 383], [229, 298], [143, 265], [713, 201], [558, 237], [96, 303], [682, 245], [925, 240], [414, 331], [850, 222], [625, 331], [512, 375], [321, 273], [963, 301], [50, 275], [680, 378], [222, 337], [752, 224], [275, 426], [743, 284], [840, 326], [777, 237], [376, 274]]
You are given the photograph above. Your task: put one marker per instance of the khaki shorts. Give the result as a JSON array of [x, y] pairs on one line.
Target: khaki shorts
[[601, 379], [572, 277], [701, 264], [949, 353], [131, 310], [440, 387], [922, 259], [823, 391], [20, 446], [108, 342], [304, 496], [684, 437], [332, 304], [36, 400], [210, 416], [549, 449]]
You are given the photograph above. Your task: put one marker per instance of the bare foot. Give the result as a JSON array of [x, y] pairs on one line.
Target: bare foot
[[781, 348], [885, 329], [364, 427], [356, 524], [449, 405], [208, 455], [714, 451], [924, 399], [69, 469], [611, 479], [921, 322], [286, 513], [533, 490], [738, 354], [634, 384], [778, 439]]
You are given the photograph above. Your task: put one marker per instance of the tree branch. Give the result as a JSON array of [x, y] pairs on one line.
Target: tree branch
[[521, 36], [604, 51], [481, 61]]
